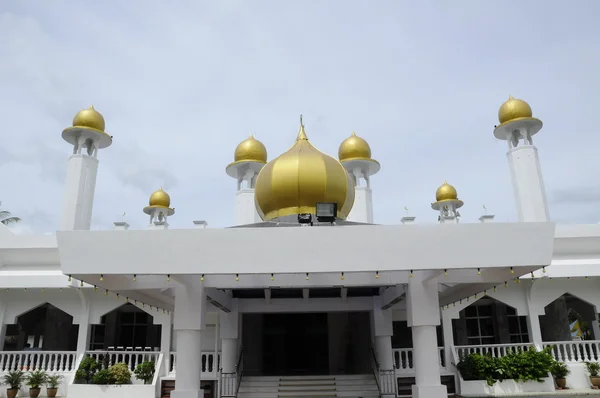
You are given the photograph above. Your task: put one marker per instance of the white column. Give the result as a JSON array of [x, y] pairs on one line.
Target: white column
[[383, 331], [83, 336], [165, 339], [362, 210], [533, 318], [448, 338], [423, 316], [2, 325], [190, 319], [229, 334], [528, 184], [80, 185], [594, 322]]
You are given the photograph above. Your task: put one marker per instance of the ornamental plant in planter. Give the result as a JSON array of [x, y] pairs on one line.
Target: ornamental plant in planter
[[593, 369], [14, 380], [35, 380], [560, 371], [145, 371], [520, 371], [52, 383], [86, 371]]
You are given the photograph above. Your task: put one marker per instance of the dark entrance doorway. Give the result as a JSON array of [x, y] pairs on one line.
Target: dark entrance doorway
[[295, 344]]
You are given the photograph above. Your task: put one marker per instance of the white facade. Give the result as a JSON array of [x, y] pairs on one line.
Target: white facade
[[395, 308]]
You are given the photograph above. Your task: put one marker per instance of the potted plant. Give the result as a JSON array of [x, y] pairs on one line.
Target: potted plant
[[560, 371], [145, 371], [593, 369], [52, 383], [35, 380], [13, 379]]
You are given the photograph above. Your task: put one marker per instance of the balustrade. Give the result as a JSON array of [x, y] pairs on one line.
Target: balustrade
[[210, 363], [131, 358], [49, 361], [575, 351], [403, 359], [494, 350]]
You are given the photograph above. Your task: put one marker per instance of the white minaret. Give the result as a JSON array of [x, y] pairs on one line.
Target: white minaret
[[249, 158], [159, 209], [447, 203], [355, 155], [87, 136], [517, 127]]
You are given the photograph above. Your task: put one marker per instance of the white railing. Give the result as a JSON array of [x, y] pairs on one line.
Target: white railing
[[403, 359], [575, 351], [49, 361], [131, 358], [210, 364], [494, 350], [387, 382]]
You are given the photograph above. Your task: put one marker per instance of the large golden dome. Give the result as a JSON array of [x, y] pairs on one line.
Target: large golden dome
[[446, 192], [514, 109], [250, 150], [295, 181], [354, 148], [160, 199], [89, 118]]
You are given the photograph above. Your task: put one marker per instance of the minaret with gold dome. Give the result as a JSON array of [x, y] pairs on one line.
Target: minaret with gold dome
[[87, 136], [355, 155], [298, 179], [159, 209], [517, 127], [249, 158], [447, 203]]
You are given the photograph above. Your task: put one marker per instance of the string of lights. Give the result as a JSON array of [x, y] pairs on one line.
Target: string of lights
[[484, 292]]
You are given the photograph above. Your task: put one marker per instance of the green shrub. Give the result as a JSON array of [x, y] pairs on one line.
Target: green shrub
[[559, 370], [593, 368], [103, 377], [145, 371], [520, 366], [120, 373], [87, 369]]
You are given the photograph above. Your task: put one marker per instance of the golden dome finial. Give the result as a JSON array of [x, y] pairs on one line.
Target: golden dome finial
[[159, 198], [446, 192], [301, 133], [250, 150], [514, 109], [354, 148], [89, 118], [298, 179]]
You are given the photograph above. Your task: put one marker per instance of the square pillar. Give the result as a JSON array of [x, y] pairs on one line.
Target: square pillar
[[448, 338], [533, 322], [2, 325], [190, 319], [423, 315], [83, 336], [383, 330]]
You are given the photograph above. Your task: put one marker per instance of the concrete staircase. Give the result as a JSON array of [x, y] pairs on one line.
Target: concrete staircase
[[351, 386]]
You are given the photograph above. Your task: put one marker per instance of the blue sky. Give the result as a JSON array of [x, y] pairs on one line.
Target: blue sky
[[181, 83]]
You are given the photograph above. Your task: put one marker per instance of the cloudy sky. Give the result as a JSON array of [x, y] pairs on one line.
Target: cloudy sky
[[181, 83]]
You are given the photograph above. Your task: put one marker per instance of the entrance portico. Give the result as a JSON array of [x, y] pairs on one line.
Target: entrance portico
[[405, 261]]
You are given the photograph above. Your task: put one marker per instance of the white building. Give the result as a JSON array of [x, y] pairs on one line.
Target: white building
[[363, 309]]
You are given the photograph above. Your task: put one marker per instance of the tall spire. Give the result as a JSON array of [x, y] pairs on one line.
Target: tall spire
[[302, 133]]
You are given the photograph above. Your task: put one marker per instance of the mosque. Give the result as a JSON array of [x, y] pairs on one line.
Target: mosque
[[306, 296]]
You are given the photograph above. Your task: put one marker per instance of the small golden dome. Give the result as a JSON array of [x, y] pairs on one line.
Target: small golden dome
[[160, 199], [513, 109], [251, 150], [354, 147], [89, 118], [446, 192], [295, 181]]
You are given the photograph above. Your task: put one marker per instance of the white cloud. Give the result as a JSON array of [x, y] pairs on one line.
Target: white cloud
[[180, 84]]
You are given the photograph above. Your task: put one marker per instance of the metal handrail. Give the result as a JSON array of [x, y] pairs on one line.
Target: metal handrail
[[239, 368], [375, 368]]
